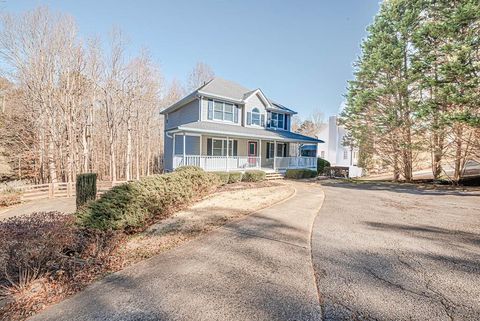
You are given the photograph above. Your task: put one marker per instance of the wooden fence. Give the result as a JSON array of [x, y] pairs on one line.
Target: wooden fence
[[51, 190]]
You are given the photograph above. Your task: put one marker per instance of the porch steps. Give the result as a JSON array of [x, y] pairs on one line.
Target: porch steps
[[273, 176]]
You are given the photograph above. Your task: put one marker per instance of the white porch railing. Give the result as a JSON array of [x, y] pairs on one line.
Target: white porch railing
[[296, 162], [217, 163], [223, 163]]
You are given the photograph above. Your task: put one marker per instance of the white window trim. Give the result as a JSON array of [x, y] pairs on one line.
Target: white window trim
[[223, 111], [276, 127], [224, 140], [236, 108], [260, 115]]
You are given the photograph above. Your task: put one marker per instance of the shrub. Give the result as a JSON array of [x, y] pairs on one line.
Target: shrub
[[300, 173], [253, 176], [86, 188], [10, 197], [234, 177], [134, 204], [45, 256], [189, 169], [321, 165], [223, 177], [33, 245]]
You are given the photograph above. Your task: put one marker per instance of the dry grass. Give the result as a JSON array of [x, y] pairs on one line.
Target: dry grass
[[232, 203]]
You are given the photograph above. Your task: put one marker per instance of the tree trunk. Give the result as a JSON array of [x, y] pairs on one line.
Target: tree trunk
[[457, 174], [128, 159]]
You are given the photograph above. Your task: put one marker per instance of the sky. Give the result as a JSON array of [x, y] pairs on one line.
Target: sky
[[300, 53]]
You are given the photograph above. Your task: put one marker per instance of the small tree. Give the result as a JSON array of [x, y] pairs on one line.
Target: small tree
[[321, 165], [86, 188]]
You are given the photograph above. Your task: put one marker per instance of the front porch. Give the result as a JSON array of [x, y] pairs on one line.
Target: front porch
[[242, 163], [217, 153]]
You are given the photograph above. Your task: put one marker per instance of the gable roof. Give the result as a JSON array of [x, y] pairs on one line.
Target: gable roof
[[224, 88], [228, 90]]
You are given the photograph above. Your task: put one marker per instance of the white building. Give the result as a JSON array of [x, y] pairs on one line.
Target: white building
[[333, 149]]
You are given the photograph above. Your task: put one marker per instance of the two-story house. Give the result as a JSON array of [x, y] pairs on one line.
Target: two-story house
[[223, 126]]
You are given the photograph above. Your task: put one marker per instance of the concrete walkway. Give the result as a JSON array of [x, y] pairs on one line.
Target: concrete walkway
[[258, 268]]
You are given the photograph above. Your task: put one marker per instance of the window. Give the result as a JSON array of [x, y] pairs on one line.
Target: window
[[255, 116], [218, 147], [218, 114], [270, 150], [218, 110], [345, 154], [322, 154], [276, 120], [228, 112], [281, 150]]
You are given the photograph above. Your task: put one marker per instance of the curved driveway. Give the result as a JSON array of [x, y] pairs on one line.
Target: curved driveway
[[395, 252], [258, 268]]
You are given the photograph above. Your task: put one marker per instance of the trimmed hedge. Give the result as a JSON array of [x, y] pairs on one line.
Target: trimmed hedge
[[321, 165], [188, 168], [134, 204], [254, 176], [235, 177], [300, 173], [86, 188], [223, 177]]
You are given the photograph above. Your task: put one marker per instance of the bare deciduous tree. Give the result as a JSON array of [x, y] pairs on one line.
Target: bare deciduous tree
[[200, 74], [73, 108]]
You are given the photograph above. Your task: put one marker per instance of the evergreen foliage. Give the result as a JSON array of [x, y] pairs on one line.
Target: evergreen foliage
[[86, 188], [416, 86], [254, 176], [300, 173], [321, 164], [133, 204]]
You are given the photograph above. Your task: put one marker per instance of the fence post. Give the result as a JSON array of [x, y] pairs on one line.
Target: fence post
[[51, 188]]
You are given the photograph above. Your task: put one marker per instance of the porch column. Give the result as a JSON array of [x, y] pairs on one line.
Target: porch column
[[184, 154], [226, 162], [274, 155], [173, 152], [260, 153], [200, 152]]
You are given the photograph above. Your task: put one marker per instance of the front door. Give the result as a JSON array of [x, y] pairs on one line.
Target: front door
[[252, 153]]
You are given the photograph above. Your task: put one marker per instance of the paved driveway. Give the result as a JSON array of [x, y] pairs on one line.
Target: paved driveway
[[389, 252], [63, 204], [255, 269]]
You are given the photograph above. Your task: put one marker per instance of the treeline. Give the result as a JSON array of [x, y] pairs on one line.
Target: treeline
[[416, 90], [71, 105]]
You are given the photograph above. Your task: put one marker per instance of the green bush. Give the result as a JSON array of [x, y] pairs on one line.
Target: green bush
[[223, 177], [134, 204], [86, 188], [189, 169], [253, 176], [234, 177], [321, 165], [300, 173]]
